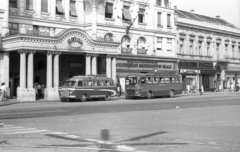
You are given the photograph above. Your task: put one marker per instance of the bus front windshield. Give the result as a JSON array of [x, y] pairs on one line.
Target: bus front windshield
[[69, 84], [132, 81]]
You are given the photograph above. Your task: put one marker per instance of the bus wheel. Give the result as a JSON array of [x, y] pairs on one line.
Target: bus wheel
[[83, 97], [149, 95], [171, 93], [107, 97]]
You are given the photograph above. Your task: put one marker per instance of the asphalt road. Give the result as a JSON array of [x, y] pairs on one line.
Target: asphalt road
[[181, 124]]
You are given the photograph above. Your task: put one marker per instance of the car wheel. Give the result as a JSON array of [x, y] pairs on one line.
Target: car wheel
[[171, 94], [84, 97], [149, 95], [107, 97]]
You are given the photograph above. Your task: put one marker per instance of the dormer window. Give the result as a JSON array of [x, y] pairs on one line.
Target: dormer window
[[109, 10]]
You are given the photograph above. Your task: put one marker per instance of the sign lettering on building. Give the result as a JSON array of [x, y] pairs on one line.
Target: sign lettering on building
[[205, 65], [233, 67], [74, 43], [189, 71], [147, 65], [188, 64]]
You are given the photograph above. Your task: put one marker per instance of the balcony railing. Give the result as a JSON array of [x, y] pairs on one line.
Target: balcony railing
[[12, 32], [141, 51], [126, 50], [37, 32]]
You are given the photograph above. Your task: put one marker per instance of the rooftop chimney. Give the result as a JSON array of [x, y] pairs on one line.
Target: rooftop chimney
[[175, 7], [218, 16], [192, 11]]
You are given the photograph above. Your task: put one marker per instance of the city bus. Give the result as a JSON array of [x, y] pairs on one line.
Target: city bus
[[87, 87], [152, 85]]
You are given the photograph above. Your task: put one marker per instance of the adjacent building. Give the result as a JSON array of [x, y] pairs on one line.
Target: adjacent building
[[208, 49], [48, 41]]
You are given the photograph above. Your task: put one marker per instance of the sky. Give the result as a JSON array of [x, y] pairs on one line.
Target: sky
[[228, 10]]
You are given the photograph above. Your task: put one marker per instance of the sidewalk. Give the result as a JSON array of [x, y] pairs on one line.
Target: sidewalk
[[14, 101]]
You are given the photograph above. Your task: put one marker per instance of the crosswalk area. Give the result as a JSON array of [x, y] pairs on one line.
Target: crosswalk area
[[12, 130]]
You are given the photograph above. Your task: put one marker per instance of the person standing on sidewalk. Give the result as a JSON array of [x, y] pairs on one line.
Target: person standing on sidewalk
[[201, 90], [237, 88], [188, 89]]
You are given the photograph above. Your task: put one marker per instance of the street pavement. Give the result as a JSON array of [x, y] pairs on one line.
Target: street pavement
[[210, 129]]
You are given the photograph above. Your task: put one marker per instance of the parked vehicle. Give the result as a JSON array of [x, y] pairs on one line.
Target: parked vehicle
[[86, 87], [152, 85]]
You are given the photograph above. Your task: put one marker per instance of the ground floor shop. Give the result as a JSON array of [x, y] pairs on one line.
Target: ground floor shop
[[55, 59], [131, 65], [232, 75], [197, 74]]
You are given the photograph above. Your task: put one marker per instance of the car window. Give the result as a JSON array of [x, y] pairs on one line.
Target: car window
[[161, 80]]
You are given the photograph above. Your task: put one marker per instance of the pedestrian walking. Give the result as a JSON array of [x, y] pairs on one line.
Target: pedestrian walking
[[39, 90], [231, 87], [201, 90], [188, 89], [3, 92], [119, 89]]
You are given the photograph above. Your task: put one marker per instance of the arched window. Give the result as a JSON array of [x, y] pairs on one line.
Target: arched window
[[126, 42], [141, 43], [108, 37]]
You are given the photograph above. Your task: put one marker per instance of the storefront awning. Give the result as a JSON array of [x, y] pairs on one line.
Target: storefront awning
[[60, 7], [127, 14], [73, 9]]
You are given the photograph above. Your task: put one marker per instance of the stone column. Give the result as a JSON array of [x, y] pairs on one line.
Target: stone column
[[108, 68], [49, 69], [30, 69], [94, 22], [22, 68], [22, 93], [94, 64], [31, 92], [6, 71], [56, 70], [114, 70], [88, 64]]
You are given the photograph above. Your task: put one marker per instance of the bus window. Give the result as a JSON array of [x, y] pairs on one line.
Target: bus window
[[167, 80], [107, 83], [80, 83], [149, 80], [170, 80], [173, 80], [95, 83], [87, 83], [155, 80], [69, 83], [179, 79], [101, 83], [133, 81], [161, 80], [143, 81]]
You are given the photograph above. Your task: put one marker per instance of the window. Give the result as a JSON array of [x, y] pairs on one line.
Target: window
[[35, 29], [169, 44], [167, 80], [13, 26], [159, 43], [73, 11], [141, 15], [166, 3], [109, 10], [200, 47], [233, 51], [191, 47], [159, 18], [181, 46], [155, 80], [168, 20], [88, 83], [13, 3], [29, 4], [161, 80], [208, 48], [80, 83], [125, 42], [126, 13], [108, 37], [44, 6], [141, 43], [239, 51], [143, 81], [59, 8], [159, 2], [149, 80]]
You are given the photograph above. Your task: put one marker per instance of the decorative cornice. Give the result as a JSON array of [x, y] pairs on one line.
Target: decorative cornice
[[49, 52], [57, 53], [22, 51], [31, 51]]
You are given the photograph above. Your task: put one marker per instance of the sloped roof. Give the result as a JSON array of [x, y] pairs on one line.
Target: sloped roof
[[198, 17]]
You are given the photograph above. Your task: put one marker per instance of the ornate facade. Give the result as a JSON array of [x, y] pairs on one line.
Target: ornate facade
[[47, 41], [208, 50]]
